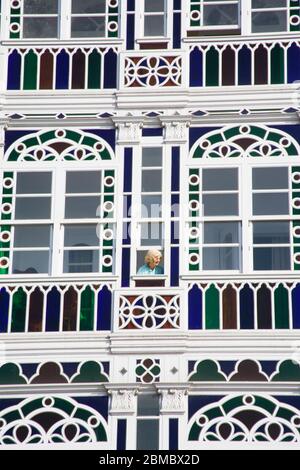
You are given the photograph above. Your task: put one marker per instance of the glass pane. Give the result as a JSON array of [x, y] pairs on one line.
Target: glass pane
[[222, 232], [155, 25], [269, 21], [34, 183], [32, 236], [40, 7], [147, 434], [215, 15], [154, 5], [271, 204], [220, 204], [225, 179], [81, 261], [81, 235], [152, 157], [148, 405], [221, 258], [40, 27], [271, 232], [151, 234], [270, 178], [271, 259], [88, 27], [151, 181], [151, 206], [82, 207], [83, 182], [33, 208], [88, 6], [269, 3], [30, 262]]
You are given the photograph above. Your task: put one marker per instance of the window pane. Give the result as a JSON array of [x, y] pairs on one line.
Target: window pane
[[271, 259], [88, 27], [269, 21], [82, 207], [271, 232], [30, 262], [151, 181], [40, 6], [268, 3], [81, 261], [155, 25], [147, 434], [152, 157], [151, 234], [148, 405], [220, 204], [81, 235], [33, 208], [154, 5], [271, 204], [220, 15], [140, 260], [32, 236], [151, 206], [83, 182], [40, 28], [225, 179], [221, 232], [270, 178], [221, 258], [34, 183], [88, 6]]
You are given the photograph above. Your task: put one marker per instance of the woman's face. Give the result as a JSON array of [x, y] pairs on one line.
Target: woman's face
[[156, 260]]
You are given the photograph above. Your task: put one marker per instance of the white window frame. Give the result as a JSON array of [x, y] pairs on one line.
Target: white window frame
[[139, 24], [217, 28]]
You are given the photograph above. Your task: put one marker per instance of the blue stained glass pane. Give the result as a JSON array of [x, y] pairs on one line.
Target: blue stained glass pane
[[195, 309], [154, 132], [53, 310], [177, 30], [296, 306], [104, 310], [130, 32], [175, 205], [130, 5], [175, 233], [174, 267], [110, 70], [62, 71], [128, 170], [4, 305], [196, 68], [127, 206], [244, 66], [121, 434], [177, 5], [173, 434], [14, 71], [246, 308], [293, 60], [175, 168], [125, 267], [126, 234]]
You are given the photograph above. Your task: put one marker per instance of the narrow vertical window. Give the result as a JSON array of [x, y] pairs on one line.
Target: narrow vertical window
[[148, 422], [155, 18]]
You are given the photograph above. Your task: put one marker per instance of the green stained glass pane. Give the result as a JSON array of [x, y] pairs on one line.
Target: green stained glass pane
[[212, 308], [212, 67], [87, 308], [94, 71], [281, 308], [19, 311], [277, 65], [30, 71]]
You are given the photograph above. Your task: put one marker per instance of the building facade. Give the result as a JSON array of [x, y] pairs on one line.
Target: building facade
[[130, 125]]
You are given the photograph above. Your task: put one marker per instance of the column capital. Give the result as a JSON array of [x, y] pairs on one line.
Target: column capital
[[123, 402], [173, 401], [129, 129], [175, 129]]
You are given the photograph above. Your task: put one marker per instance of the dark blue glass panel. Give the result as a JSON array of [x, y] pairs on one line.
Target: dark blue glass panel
[[293, 60], [130, 5], [62, 71], [196, 67], [13, 136], [29, 370], [99, 404], [126, 234], [128, 170], [175, 233], [246, 308], [154, 132], [175, 168], [195, 402], [177, 5], [53, 310], [121, 434], [296, 306], [244, 66], [177, 30], [173, 434], [14, 71], [127, 206], [104, 310], [4, 305], [174, 266], [195, 309], [110, 69], [109, 135], [130, 32], [125, 267], [175, 205]]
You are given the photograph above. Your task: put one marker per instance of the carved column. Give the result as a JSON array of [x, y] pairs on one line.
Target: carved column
[[173, 405], [175, 129], [123, 405], [129, 130]]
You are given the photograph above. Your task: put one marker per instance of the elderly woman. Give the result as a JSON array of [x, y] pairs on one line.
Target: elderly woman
[[151, 266]]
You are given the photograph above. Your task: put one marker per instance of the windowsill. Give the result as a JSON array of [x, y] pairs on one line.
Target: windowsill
[[192, 33], [78, 277], [152, 39], [240, 37], [234, 275], [61, 42], [136, 277]]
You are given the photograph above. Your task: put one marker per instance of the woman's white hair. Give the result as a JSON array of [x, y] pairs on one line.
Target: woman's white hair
[[151, 254]]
